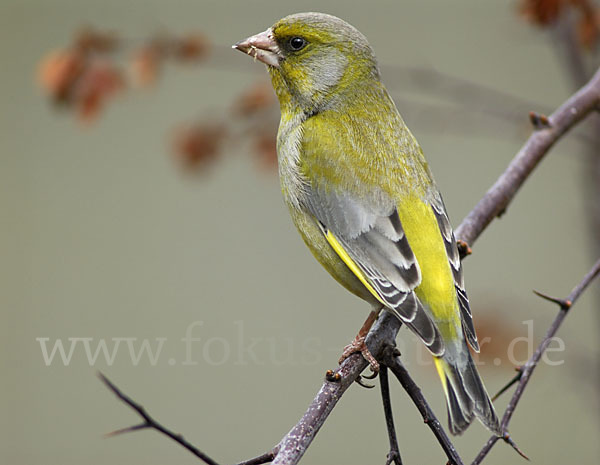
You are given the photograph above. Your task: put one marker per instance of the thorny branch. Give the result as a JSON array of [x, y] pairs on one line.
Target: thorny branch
[[526, 370], [565, 33], [293, 446], [495, 202], [151, 423]]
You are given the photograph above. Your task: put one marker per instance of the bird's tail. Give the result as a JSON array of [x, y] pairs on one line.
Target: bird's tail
[[466, 396]]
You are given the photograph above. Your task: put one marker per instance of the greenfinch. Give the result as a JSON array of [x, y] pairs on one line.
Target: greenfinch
[[364, 200]]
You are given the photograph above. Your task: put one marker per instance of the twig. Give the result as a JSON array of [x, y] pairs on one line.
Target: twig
[[394, 453], [527, 369], [508, 385], [264, 458], [151, 423], [499, 196], [394, 364]]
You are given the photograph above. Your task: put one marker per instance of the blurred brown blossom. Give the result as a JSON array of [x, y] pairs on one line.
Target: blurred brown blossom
[[588, 30], [99, 82], [145, 66], [190, 48], [58, 72], [250, 122], [149, 59], [198, 145], [256, 98], [83, 83], [89, 40], [265, 147], [542, 12], [86, 74], [545, 13], [503, 342]]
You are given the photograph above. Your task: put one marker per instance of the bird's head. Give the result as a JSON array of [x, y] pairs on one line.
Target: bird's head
[[313, 59]]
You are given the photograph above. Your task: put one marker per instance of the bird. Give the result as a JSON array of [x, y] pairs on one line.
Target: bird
[[364, 200]]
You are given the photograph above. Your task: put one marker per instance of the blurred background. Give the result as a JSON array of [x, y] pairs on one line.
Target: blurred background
[[143, 212]]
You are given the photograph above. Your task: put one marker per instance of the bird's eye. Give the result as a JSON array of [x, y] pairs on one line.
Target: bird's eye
[[297, 43]]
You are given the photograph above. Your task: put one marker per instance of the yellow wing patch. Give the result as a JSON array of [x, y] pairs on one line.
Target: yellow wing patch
[[436, 290], [339, 249]]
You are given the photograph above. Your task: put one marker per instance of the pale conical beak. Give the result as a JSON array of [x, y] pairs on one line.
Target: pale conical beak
[[262, 47]]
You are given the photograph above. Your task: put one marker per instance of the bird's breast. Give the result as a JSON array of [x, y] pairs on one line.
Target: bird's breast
[[289, 146]]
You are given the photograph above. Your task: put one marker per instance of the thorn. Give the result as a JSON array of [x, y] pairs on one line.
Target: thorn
[[363, 384], [109, 384], [539, 121], [562, 303], [127, 430], [508, 385], [507, 439], [105, 380], [332, 376], [463, 248]]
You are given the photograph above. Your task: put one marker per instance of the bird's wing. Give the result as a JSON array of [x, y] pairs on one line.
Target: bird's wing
[[455, 265], [369, 238]]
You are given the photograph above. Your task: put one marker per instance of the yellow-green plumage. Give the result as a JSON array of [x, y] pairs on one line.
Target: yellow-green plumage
[[436, 290], [363, 198], [322, 162]]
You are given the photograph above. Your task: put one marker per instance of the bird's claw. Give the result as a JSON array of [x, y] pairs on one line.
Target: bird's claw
[[360, 381], [373, 375], [358, 345]]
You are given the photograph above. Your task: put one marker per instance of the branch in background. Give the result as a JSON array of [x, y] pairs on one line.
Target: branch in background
[[526, 370]]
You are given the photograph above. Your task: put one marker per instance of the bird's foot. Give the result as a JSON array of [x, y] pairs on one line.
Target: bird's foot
[[358, 345]]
